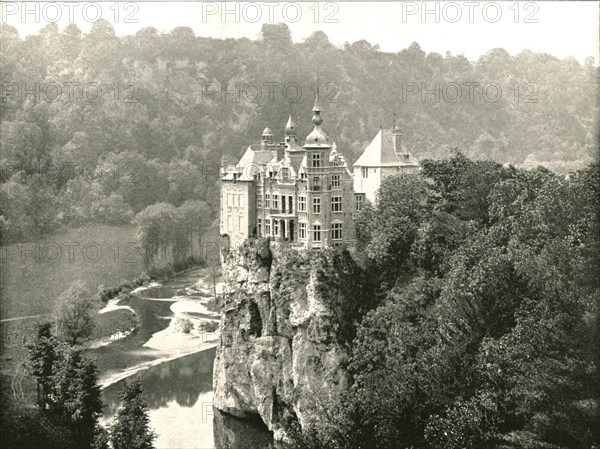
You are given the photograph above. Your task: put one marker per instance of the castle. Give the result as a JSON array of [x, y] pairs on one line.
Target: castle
[[305, 195]]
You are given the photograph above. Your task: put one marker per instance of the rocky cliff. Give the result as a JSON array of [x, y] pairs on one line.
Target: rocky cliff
[[286, 321]]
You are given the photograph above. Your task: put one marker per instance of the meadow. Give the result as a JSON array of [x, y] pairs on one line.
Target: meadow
[[34, 274]]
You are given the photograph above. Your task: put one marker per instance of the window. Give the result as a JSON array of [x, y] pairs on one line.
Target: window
[[317, 233], [302, 203], [316, 205], [239, 223], [267, 226], [275, 201], [291, 204], [336, 231], [365, 172], [336, 204], [283, 203], [303, 175], [259, 227], [335, 180], [302, 231], [316, 160], [285, 172], [229, 203], [275, 228], [359, 202], [267, 201], [316, 184]]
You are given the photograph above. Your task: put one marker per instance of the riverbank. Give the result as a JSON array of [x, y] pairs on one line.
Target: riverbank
[[156, 340]]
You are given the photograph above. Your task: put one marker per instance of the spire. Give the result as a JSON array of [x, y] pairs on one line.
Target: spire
[[317, 119], [290, 128], [318, 137]]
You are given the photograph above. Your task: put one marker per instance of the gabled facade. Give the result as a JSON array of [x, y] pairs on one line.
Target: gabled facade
[[304, 195], [299, 194], [385, 156]]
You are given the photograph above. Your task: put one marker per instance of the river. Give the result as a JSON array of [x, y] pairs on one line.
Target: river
[[177, 388]]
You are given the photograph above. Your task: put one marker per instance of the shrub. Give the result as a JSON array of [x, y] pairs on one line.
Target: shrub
[[184, 324], [212, 305], [208, 326]]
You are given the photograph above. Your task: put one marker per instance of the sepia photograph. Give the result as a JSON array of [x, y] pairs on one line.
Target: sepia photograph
[[300, 225]]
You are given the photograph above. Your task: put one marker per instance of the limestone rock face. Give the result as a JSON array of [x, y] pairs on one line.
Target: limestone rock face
[[280, 350]]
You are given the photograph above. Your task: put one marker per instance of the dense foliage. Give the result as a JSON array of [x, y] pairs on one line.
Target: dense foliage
[[68, 390], [74, 313], [489, 335], [155, 135], [131, 428]]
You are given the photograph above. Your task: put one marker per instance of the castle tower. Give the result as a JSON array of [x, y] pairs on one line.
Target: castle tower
[[385, 156]]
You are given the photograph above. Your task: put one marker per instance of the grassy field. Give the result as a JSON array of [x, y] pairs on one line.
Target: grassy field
[[34, 274]]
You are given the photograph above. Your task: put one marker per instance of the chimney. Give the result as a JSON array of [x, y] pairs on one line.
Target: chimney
[[397, 140], [280, 150]]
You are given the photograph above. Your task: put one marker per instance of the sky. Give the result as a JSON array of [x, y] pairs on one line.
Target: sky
[[470, 28]]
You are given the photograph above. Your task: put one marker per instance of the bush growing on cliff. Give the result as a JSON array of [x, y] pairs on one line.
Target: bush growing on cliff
[[344, 286], [257, 250]]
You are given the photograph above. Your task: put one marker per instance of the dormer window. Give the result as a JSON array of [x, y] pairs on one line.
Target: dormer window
[[285, 173]]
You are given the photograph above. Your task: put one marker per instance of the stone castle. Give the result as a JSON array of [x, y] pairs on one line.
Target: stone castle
[[305, 195]]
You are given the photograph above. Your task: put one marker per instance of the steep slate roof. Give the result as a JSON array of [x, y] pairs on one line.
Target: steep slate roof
[[252, 159], [380, 153]]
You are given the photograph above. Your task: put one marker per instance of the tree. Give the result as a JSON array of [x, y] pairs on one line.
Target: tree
[[131, 428], [73, 313], [77, 394], [402, 203], [42, 356], [156, 225], [101, 438]]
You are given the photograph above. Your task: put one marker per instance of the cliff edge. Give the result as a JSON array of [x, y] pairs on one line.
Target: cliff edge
[[286, 320]]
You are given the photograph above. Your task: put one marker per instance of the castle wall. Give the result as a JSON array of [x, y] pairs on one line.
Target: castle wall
[[370, 184], [238, 210]]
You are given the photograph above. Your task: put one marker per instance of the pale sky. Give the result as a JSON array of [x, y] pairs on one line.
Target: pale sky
[[558, 28]]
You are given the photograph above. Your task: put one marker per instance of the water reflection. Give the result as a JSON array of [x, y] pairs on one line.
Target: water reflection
[[232, 433], [179, 396]]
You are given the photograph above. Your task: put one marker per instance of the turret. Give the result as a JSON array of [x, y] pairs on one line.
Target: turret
[[318, 137], [290, 130], [267, 138]]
